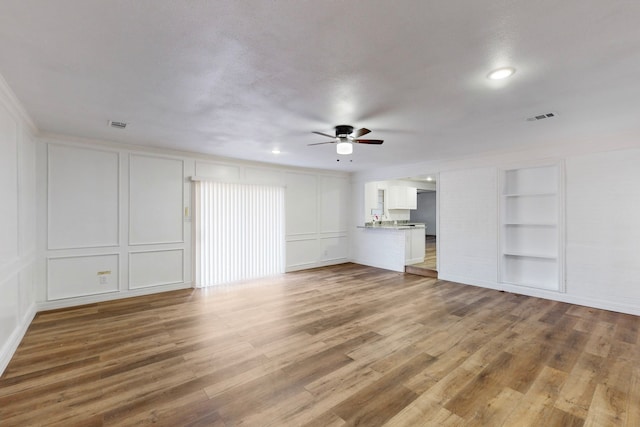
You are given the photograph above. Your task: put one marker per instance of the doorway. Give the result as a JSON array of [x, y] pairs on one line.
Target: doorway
[[427, 214]]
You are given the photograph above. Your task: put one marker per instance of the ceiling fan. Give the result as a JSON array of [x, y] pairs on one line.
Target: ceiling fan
[[345, 138]]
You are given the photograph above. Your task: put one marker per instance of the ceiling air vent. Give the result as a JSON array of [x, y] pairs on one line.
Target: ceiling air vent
[[541, 116], [117, 125]]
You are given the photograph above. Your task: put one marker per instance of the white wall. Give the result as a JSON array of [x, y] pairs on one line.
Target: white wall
[[109, 212], [468, 243], [317, 210], [87, 221], [426, 212], [602, 231], [118, 220], [603, 228], [17, 224]]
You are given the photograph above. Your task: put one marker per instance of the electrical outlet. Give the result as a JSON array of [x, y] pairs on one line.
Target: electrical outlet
[[103, 277]]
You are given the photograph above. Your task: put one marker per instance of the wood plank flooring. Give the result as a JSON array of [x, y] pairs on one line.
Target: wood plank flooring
[[343, 345], [429, 267]]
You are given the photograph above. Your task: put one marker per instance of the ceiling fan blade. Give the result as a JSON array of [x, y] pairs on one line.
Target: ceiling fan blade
[[320, 143], [324, 134], [369, 141], [361, 132]]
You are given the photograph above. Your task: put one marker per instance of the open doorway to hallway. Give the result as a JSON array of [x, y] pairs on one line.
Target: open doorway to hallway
[[427, 214]]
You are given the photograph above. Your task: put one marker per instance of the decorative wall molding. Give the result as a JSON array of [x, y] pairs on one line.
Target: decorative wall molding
[[133, 254]]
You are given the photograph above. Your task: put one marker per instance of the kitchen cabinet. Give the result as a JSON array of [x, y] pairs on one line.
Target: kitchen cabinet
[[402, 197], [414, 245]]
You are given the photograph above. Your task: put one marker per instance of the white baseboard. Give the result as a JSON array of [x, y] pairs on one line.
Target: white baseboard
[[90, 299], [16, 337], [316, 264], [628, 307]]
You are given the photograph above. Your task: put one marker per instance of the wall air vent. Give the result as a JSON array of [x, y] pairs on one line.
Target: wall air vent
[[117, 125], [541, 116]]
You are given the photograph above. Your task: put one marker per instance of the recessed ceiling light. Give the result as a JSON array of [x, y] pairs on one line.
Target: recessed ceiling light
[[429, 178], [275, 151], [501, 73]]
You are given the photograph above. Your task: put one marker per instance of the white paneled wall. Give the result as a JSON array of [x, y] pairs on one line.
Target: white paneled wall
[[75, 276], [17, 225], [156, 199], [154, 268], [116, 223], [128, 212], [9, 144], [83, 197], [317, 209]]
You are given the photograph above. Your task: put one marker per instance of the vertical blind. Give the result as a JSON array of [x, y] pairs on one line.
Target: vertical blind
[[239, 232]]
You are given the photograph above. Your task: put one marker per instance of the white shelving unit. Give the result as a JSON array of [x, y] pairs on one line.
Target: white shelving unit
[[532, 227]]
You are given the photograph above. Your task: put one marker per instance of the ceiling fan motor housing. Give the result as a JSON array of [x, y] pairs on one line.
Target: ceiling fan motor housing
[[342, 131]]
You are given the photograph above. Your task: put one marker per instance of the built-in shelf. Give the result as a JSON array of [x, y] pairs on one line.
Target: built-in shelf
[[529, 194], [531, 224], [530, 254], [531, 227]]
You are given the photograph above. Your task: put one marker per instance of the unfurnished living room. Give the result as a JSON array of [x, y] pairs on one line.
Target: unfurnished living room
[[329, 213]]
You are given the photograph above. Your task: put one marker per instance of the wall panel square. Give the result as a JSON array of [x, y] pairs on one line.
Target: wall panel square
[[154, 268], [156, 187], [301, 202], [8, 307], [82, 197], [8, 186], [334, 204], [76, 276]]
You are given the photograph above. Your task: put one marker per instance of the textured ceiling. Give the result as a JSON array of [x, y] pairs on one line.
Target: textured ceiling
[[240, 78]]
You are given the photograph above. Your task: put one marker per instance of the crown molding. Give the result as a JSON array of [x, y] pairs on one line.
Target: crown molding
[[13, 104]]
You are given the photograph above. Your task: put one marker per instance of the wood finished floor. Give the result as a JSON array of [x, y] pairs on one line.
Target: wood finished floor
[[428, 267], [343, 345]]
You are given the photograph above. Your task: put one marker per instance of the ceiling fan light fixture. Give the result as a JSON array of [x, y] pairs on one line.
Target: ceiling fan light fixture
[[344, 148]]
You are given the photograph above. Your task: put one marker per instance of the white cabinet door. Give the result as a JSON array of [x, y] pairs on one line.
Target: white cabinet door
[[414, 242], [403, 197], [407, 247], [411, 197], [417, 244]]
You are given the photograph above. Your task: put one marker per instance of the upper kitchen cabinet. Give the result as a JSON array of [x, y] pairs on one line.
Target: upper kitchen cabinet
[[402, 197]]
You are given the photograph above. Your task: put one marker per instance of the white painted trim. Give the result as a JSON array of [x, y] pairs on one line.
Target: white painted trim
[[15, 107], [47, 272], [241, 182], [191, 155], [48, 197], [309, 265], [152, 156], [90, 299], [155, 251], [332, 234], [14, 341], [627, 307]]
